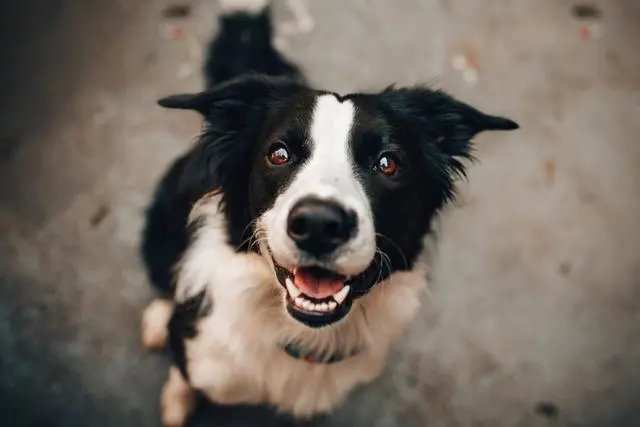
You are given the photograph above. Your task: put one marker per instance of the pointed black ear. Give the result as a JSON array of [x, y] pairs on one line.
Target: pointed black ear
[[489, 122], [199, 102], [438, 120], [441, 114], [241, 91]]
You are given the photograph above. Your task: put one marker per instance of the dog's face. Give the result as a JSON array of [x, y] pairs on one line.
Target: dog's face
[[337, 192]]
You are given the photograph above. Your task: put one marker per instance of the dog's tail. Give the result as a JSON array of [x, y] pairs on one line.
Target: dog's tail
[[244, 44]]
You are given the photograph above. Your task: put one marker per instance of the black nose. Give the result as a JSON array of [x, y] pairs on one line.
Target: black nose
[[319, 226]]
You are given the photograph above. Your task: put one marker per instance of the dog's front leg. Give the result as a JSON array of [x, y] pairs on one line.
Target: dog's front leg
[[177, 401], [155, 320]]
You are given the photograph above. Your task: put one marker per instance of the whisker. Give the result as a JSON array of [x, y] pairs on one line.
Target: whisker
[[248, 239], [397, 248], [380, 265], [385, 262]]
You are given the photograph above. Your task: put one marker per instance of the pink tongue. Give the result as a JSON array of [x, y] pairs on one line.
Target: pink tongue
[[317, 287]]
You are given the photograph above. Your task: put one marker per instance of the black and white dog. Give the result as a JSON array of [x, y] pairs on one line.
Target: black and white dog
[[290, 239]]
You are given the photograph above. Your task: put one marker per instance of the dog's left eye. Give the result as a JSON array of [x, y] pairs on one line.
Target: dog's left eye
[[387, 164], [278, 154]]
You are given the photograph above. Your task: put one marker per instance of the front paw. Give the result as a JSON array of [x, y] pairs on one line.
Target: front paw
[[155, 319], [177, 401]]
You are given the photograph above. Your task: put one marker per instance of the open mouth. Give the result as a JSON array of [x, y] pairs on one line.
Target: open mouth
[[316, 296]]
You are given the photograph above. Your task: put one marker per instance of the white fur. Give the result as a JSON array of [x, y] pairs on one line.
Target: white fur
[[329, 175], [253, 6], [154, 323], [236, 356], [177, 401]]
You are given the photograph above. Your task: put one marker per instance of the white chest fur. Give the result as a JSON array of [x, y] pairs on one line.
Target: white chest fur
[[237, 357]]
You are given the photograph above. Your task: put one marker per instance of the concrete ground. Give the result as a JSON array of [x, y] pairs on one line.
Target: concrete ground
[[534, 313]]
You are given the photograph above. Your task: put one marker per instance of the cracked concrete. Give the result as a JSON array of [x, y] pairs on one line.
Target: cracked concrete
[[533, 318]]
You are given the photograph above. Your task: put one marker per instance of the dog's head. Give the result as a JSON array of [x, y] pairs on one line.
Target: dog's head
[[338, 192]]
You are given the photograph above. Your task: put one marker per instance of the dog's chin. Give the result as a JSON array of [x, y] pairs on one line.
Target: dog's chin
[[315, 296]]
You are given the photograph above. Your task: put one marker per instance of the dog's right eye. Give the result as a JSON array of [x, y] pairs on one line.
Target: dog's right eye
[[278, 154]]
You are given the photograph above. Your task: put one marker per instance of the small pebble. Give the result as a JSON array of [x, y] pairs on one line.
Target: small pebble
[[179, 33], [564, 268], [590, 32], [184, 71], [99, 215], [173, 32], [586, 11], [177, 10], [547, 410], [470, 75], [459, 62], [550, 172]]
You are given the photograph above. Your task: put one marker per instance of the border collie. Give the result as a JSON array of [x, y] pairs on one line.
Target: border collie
[[289, 241]]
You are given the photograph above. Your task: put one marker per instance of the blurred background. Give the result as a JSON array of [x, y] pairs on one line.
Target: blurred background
[[533, 317]]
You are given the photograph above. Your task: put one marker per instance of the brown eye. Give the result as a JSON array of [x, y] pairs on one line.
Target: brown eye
[[278, 154], [387, 164]]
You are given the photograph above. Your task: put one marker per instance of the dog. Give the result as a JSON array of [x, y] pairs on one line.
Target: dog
[[289, 242]]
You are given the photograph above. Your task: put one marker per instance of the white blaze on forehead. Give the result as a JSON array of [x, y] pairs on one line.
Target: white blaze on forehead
[[331, 125], [330, 168]]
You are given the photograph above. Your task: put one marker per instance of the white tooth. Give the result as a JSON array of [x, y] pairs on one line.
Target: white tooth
[[324, 306], [291, 288], [298, 301], [307, 304], [342, 294], [332, 305]]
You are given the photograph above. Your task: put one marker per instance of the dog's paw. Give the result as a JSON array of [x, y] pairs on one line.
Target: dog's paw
[[177, 401], [155, 319]]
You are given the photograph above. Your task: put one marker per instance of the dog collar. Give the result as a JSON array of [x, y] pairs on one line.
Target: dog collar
[[298, 351]]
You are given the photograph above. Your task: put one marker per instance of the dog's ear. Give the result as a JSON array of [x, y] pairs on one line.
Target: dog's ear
[[187, 101], [245, 89], [439, 122], [446, 120], [235, 113]]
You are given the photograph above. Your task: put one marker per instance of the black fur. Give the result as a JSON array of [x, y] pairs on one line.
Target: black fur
[[165, 234], [183, 326], [243, 45]]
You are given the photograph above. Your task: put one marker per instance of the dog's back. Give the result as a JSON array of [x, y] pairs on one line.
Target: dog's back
[[244, 45]]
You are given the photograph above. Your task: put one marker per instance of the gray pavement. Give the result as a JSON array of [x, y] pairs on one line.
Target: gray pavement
[[533, 317]]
